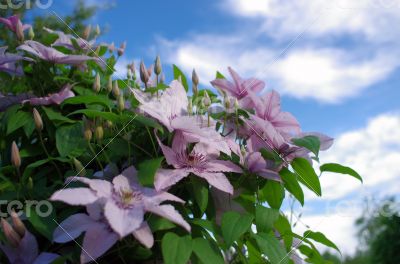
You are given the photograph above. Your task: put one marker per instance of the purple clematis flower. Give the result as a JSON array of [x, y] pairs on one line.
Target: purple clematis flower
[[171, 111], [199, 161], [56, 98], [24, 248], [99, 236], [268, 108], [125, 201], [65, 40], [8, 62], [240, 88], [13, 23], [255, 163], [52, 55]]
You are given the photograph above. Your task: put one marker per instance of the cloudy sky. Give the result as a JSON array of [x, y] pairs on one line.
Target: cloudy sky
[[336, 64]]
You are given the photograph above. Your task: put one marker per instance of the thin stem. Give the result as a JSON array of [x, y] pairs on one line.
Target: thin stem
[[152, 141], [48, 155], [94, 153]]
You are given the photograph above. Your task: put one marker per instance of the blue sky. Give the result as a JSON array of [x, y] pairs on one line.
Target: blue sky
[[340, 76]]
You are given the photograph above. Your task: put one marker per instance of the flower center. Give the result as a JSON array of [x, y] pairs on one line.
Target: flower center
[[194, 160], [126, 197]]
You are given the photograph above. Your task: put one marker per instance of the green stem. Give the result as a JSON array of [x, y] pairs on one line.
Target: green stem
[[152, 141], [95, 155], [48, 155]]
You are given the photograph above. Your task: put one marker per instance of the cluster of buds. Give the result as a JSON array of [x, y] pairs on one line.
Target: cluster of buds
[[14, 233]]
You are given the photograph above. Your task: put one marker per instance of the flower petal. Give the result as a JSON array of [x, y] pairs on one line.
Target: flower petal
[[75, 196], [144, 235], [168, 211], [223, 165], [72, 227], [102, 188], [46, 258], [166, 178], [218, 180]]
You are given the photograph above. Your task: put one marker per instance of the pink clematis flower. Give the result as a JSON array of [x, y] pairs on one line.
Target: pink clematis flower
[[23, 248], [171, 111], [8, 62], [268, 108], [52, 55], [14, 24], [56, 98], [199, 161], [125, 201], [99, 236], [240, 88], [65, 40], [255, 163]]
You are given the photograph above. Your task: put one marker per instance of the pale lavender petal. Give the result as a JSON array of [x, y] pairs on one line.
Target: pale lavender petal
[[253, 85], [144, 235], [166, 178], [159, 197], [270, 175], [98, 239], [168, 212], [217, 179], [131, 174], [72, 227], [237, 80], [223, 165], [169, 153], [75, 196], [46, 258], [28, 248], [255, 162], [225, 85], [102, 188], [286, 122], [176, 97], [123, 221], [269, 106]]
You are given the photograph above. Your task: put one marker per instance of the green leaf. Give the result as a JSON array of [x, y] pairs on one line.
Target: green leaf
[[219, 75], [200, 191], [57, 117], [337, 168], [70, 141], [285, 230], [44, 224], [205, 224], [292, 185], [265, 218], [312, 143], [234, 225], [274, 193], [147, 171], [321, 238], [206, 252], [88, 100], [272, 248], [18, 120], [176, 249], [307, 175], [178, 73], [90, 113]]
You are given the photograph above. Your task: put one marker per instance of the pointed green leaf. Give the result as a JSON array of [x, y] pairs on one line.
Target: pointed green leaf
[[234, 225], [337, 168], [206, 252], [292, 185], [178, 73], [306, 175], [176, 249], [265, 218], [272, 248], [274, 193], [312, 143], [321, 238]]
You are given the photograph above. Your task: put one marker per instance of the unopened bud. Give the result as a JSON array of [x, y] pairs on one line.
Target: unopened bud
[[121, 49], [111, 47], [121, 103], [150, 70], [206, 99], [99, 132], [79, 167], [88, 134], [31, 33], [12, 237], [158, 67], [97, 83], [19, 31], [144, 75], [38, 120], [15, 157], [227, 102], [98, 30], [115, 89], [129, 74], [19, 227], [195, 78], [30, 183], [109, 124], [109, 84], [236, 104], [87, 31]]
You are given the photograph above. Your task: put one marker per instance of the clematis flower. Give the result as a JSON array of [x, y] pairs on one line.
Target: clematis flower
[[268, 107], [99, 236], [239, 88], [56, 98], [125, 201], [255, 163], [65, 40], [52, 55], [23, 247], [199, 161], [14, 24], [8, 62], [171, 111]]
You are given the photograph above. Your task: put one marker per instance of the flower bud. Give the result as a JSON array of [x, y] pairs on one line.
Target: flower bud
[[243, 151], [190, 107], [109, 124], [19, 31], [109, 84], [79, 167], [30, 183], [236, 104], [87, 31], [158, 67], [195, 78], [150, 70], [227, 102], [97, 51], [97, 83], [129, 74], [98, 30], [38, 120], [144, 75], [31, 33], [121, 49], [15, 157], [88, 134], [99, 132], [115, 89], [111, 47], [12, 237], [121, 103], [206, 99], [19, 227]]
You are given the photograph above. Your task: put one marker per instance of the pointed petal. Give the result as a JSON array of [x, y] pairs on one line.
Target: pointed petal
[[46, 258], [269, 106], [223, 165], [76, 196], [159, 197], [218, 180], [166, 178], [225, 85], [72, 227], [123, 221], [286, 122], [270, 175], [169, 153], [144, 235], [237, 80], [253, 85], [255, 162], [102, 188], [168, 212], [28, 248], [131, 174], [98, 239]]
